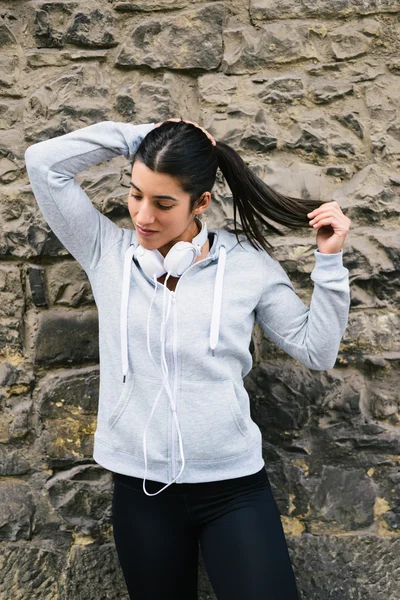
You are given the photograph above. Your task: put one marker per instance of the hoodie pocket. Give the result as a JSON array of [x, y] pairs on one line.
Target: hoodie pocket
[[129, 417], [211, 421]]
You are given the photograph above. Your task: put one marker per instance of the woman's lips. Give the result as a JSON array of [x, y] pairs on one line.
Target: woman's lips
[[145, 233]]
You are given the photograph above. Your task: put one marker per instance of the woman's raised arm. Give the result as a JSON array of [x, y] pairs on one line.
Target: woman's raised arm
[[52, 165], [312, 334]]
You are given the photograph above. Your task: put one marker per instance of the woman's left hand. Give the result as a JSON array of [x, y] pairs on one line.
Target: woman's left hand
[[332, 227], [211, 138]]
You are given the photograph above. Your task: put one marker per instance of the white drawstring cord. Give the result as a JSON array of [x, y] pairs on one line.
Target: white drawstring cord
[[214, 333], [164, 374]]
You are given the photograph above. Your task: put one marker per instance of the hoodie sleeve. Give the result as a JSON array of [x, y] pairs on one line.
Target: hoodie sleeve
[[52, 165], [312, 334]]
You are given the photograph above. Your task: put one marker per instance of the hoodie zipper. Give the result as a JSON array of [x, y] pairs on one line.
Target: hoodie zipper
[[173, 428]]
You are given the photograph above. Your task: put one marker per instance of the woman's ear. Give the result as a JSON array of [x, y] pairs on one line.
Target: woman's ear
[[202, 203]]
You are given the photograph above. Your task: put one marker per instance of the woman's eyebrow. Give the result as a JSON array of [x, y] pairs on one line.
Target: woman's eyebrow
[[166, 197]]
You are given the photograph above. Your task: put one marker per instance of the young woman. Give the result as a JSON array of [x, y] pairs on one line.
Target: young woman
[[176, 305]]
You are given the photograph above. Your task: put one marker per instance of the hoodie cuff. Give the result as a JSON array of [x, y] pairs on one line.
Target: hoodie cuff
[[328, 266]]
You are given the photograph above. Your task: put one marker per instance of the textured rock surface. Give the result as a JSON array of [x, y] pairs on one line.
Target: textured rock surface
[[309, 94]]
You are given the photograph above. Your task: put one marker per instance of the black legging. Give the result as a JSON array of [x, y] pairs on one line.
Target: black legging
[[235, 521]]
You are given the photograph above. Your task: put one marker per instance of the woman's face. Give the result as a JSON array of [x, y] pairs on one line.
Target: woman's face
[[168, 216]]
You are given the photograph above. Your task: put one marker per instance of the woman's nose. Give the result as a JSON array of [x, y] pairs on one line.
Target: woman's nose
[[145, 215]]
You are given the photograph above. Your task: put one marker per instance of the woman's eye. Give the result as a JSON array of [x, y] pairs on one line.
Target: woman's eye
[[160, 205]]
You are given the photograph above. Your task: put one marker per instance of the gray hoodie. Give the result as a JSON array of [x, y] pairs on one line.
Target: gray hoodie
[[195, 425]]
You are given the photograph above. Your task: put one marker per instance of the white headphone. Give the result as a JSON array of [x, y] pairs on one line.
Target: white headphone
[[181, 256]]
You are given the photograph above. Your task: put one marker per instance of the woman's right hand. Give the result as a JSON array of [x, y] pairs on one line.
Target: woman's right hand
[[213, 141]]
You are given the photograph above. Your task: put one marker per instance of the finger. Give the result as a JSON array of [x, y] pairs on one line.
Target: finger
[[210, 137], [202, 128], [326, 221], [327, 208], [321, 216], [332, 206]]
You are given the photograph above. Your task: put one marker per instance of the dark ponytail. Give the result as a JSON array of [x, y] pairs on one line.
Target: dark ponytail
[[184, 152]]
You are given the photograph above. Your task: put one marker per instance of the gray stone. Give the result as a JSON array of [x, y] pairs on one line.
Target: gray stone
[[217, 88], [37, 285], [60, 337], [30, 572], [344, 498], [261, 135], [372, 197], [381, 101], [17, 509], [7, 37], [68, 285], [67, 441], [16, 461], [373, 332], [193, 39], [279, 89], [94, 29], [246, 49], [347, 567], [319, 137], [143, 98], [8, 171], [19, 419], [10, 65], [322, 9], [93, 573], [11, 143], [328, 92], [82, 497], [149, 6], [347, 43], [47, 57], [46, 33], [308, 139], [91, 29], [338, 172], [23, 232], [351, 70], [352, 121], [70, 99], [394, 65], [11, 307], [69, 393]]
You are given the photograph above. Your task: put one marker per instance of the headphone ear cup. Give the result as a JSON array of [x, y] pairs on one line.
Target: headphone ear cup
[[151, 261], [181, 256]]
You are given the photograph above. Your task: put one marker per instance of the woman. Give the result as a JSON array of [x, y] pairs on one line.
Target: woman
[[176, 307]]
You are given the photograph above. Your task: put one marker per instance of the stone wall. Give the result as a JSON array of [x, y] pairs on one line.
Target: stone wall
[[308, 93]]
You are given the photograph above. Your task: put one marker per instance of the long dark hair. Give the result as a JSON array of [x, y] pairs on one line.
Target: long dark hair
[[184, 152]]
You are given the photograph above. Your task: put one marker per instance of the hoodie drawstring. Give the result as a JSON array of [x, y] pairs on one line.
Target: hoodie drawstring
[[165, 382], [124, 309], [216, 312]]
